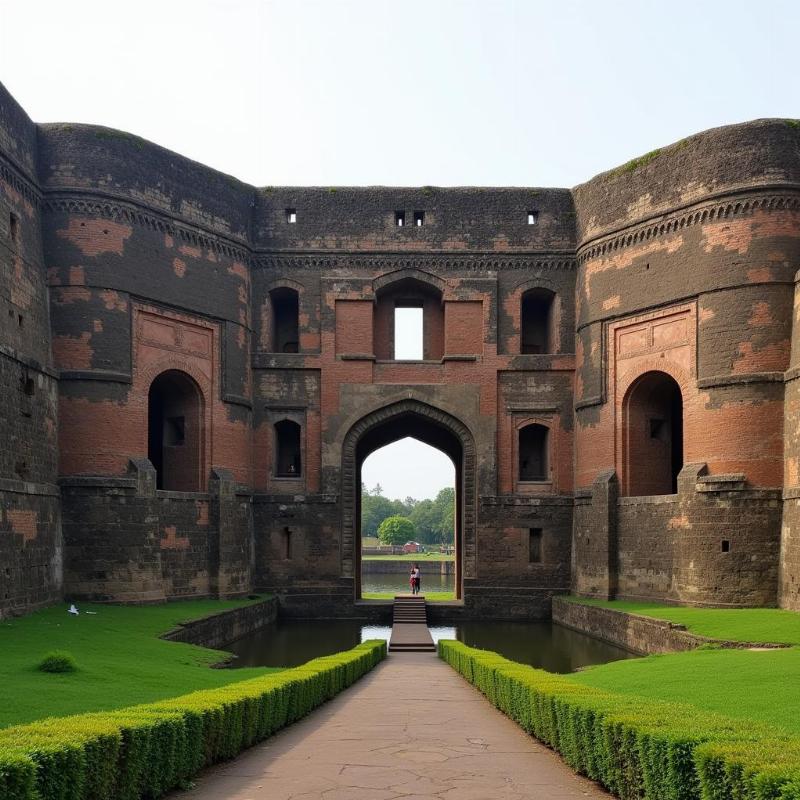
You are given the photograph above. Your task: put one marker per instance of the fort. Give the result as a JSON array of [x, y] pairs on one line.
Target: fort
[[192, 371]]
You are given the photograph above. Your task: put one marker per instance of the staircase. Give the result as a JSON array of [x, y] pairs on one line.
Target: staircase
[[410, 632]]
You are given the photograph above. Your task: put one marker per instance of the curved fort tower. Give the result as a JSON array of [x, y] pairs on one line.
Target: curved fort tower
[[192, 371]]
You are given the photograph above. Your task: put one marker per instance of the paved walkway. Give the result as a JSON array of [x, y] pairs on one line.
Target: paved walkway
[[411, 729]]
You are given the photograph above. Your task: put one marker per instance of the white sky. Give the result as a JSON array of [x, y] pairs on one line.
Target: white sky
[[408, 468], [404, 92], [407, 92]]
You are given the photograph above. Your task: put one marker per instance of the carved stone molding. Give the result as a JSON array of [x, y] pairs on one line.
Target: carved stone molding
[[132, 214], [16, 179], [381, 262], [698, 214]]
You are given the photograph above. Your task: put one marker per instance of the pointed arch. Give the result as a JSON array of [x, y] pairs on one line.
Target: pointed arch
[[434, 427]]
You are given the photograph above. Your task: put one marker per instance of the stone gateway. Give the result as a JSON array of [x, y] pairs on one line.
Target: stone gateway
[[193, 370]]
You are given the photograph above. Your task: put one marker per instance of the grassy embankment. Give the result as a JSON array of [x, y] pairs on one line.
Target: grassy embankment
[[770, 625], [432, 597], [120, 659], [756, 685], [427, 557]]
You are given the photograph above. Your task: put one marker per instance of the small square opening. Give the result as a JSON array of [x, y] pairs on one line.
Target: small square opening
[[533, 217], [419, 219], [291, 215], [726, 546], [399, 218]]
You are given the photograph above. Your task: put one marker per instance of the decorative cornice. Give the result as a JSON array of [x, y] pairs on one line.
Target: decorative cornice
[[730, 205], [14, 176], [133, 214], [463, 262]]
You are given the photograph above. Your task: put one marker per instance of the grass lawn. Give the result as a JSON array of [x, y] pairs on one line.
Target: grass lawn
[[121, 661], [758, 685], [735, 624], [433, 597], [411, 557]]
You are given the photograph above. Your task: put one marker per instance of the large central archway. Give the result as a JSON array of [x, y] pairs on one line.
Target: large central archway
[[431, 426]]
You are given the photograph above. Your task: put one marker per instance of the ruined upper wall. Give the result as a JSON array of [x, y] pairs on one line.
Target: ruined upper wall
[[755, 154], [456, 219], [17, 135], [116, 164]]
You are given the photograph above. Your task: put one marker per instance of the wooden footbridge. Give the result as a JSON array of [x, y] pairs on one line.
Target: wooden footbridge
[[410, 632]]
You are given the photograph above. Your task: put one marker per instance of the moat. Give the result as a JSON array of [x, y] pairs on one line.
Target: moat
[[540, 644]]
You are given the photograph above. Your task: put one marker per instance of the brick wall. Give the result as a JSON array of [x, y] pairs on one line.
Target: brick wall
[[682, 263], [30, 519]]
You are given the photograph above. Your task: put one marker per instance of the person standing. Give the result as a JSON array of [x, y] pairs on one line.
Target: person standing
[[415, 579]]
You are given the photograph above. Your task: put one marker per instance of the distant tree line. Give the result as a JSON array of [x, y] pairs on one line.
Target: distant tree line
[[432, 521]]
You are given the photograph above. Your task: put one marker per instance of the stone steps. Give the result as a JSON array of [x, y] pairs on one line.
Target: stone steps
[[410, 632]]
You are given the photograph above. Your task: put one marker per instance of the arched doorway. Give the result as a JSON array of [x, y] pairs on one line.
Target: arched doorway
[[174, 431], [652, 435], [409, 418]]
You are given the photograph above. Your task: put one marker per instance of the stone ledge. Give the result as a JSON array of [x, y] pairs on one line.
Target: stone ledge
[[639, 634], [527, 500], [648, 500], [96, 482], [29, 487], [294, 498]]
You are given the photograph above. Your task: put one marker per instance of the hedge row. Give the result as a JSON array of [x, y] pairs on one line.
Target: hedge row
[[635, 747], [144, 751]]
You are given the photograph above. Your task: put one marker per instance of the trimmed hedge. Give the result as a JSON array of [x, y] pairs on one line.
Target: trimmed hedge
[[637, 748], [144, 751]]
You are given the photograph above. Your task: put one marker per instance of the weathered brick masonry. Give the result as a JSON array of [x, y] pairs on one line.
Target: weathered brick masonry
[[193, 371]]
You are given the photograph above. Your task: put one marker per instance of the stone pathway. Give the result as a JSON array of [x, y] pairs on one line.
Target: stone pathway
[[411, 729]]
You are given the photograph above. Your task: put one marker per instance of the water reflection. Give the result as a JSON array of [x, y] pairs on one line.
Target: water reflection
[[542, 644]]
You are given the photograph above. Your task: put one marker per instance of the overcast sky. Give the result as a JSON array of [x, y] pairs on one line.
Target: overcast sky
[[404, 92]]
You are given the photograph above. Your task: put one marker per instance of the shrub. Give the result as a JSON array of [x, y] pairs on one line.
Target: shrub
[[58, 661], [636, 747], [146, 750]]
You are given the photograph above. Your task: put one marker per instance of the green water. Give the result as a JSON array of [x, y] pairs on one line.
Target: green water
[[542, 644], [394, 583]]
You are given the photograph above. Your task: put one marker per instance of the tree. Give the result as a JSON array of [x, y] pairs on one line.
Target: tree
[[396, 530], [374, 510], [425, 517], [445, 503]]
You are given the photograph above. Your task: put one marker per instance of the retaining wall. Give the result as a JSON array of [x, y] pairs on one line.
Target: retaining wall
[[221, 629], [642, 635]]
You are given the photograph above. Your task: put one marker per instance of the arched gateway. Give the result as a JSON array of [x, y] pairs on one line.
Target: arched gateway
[[433, 427]]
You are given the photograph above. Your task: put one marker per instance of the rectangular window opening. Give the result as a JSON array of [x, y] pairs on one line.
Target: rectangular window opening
[[291, 216], [535, 546], [13, 226], [726, 546], [287, 544], [419, 219], [408, 333], [533, 217], [399, 218]]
